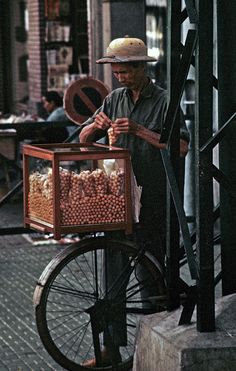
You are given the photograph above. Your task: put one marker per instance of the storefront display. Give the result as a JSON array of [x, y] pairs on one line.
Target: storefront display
[[66, 42]]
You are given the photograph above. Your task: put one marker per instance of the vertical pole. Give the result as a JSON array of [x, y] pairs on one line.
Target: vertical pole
[[74, 68], [37, 81], [6, 99], [227, 106], [189, 185], [172, 243], [95, 37], [204, 183]]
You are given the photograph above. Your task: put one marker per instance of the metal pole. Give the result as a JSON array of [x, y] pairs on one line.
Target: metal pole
[[172, 243], [226, 25], [189, 184], [204, 183]]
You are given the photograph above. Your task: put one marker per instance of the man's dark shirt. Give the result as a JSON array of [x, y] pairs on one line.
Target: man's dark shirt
[[149, 111]]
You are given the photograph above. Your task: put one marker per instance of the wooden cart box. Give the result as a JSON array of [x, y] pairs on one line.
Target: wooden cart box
[[76, 188]]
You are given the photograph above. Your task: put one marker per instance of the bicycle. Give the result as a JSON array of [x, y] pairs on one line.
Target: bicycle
[[75, 305]]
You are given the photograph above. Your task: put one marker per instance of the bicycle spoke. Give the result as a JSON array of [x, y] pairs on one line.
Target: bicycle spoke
[[73, 292], [76, 337], [60, 325], [70, 314], [85, 272]]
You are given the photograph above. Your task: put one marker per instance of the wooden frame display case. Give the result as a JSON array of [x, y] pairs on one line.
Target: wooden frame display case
[[77, 188]]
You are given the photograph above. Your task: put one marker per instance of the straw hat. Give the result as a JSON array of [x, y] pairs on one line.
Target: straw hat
[[126, 49]]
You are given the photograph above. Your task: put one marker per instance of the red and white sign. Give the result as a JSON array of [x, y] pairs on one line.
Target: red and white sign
[[83, 97]]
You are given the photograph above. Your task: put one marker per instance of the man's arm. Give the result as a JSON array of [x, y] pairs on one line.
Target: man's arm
[[126, 126], [154, 139], [149, 136]]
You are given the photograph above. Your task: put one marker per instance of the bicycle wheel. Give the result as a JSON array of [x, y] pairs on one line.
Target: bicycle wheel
[[76, 305]]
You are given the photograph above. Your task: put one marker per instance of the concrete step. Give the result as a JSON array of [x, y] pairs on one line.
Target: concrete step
[[162, 345]]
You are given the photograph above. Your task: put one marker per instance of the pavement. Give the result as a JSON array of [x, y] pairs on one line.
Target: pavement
[[21, 264]]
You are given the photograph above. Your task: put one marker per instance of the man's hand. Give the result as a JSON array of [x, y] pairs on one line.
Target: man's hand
[[183, 150], [121, 126], [95, 130], [124, 126], [101, 121]]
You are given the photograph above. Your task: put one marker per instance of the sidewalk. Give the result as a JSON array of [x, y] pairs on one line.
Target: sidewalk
[[21, 264]]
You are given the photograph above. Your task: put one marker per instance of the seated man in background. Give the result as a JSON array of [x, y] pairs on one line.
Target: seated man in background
[[53, 104]]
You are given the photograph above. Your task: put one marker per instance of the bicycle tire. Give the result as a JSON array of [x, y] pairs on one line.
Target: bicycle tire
[[67, 288]]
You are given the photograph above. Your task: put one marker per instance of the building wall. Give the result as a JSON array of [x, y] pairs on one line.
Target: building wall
[[37, 57], [19, 55], [1, 62], [95, 37], [5, 57], [13, 56]]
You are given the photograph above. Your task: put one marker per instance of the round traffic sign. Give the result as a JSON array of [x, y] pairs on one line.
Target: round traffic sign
[[83, 97]]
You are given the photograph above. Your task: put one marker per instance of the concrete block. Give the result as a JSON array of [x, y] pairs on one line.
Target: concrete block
[[162, 345]]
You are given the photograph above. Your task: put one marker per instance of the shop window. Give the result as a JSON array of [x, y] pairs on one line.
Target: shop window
[[23, 68], [66, 41], [21, 31], [156, 18]]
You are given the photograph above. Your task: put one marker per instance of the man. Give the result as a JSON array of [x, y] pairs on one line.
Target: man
[[53, 104], [133, 117]]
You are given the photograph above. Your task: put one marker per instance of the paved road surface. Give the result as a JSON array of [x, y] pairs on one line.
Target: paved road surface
[[21, 264]]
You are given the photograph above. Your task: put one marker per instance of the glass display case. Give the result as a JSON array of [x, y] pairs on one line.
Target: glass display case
[[74, 187]]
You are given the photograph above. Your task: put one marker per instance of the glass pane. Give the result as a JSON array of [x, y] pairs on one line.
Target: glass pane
[[92, 192], [40, 197]]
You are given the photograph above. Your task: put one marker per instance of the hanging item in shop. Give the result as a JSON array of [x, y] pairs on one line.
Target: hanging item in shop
[[52, 9], [56, 8]]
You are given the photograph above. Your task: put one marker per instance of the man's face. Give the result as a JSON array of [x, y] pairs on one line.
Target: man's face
[[127, 74], [49, 106]]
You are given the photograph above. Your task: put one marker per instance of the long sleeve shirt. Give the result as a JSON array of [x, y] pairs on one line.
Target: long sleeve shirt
[[149, 111]]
